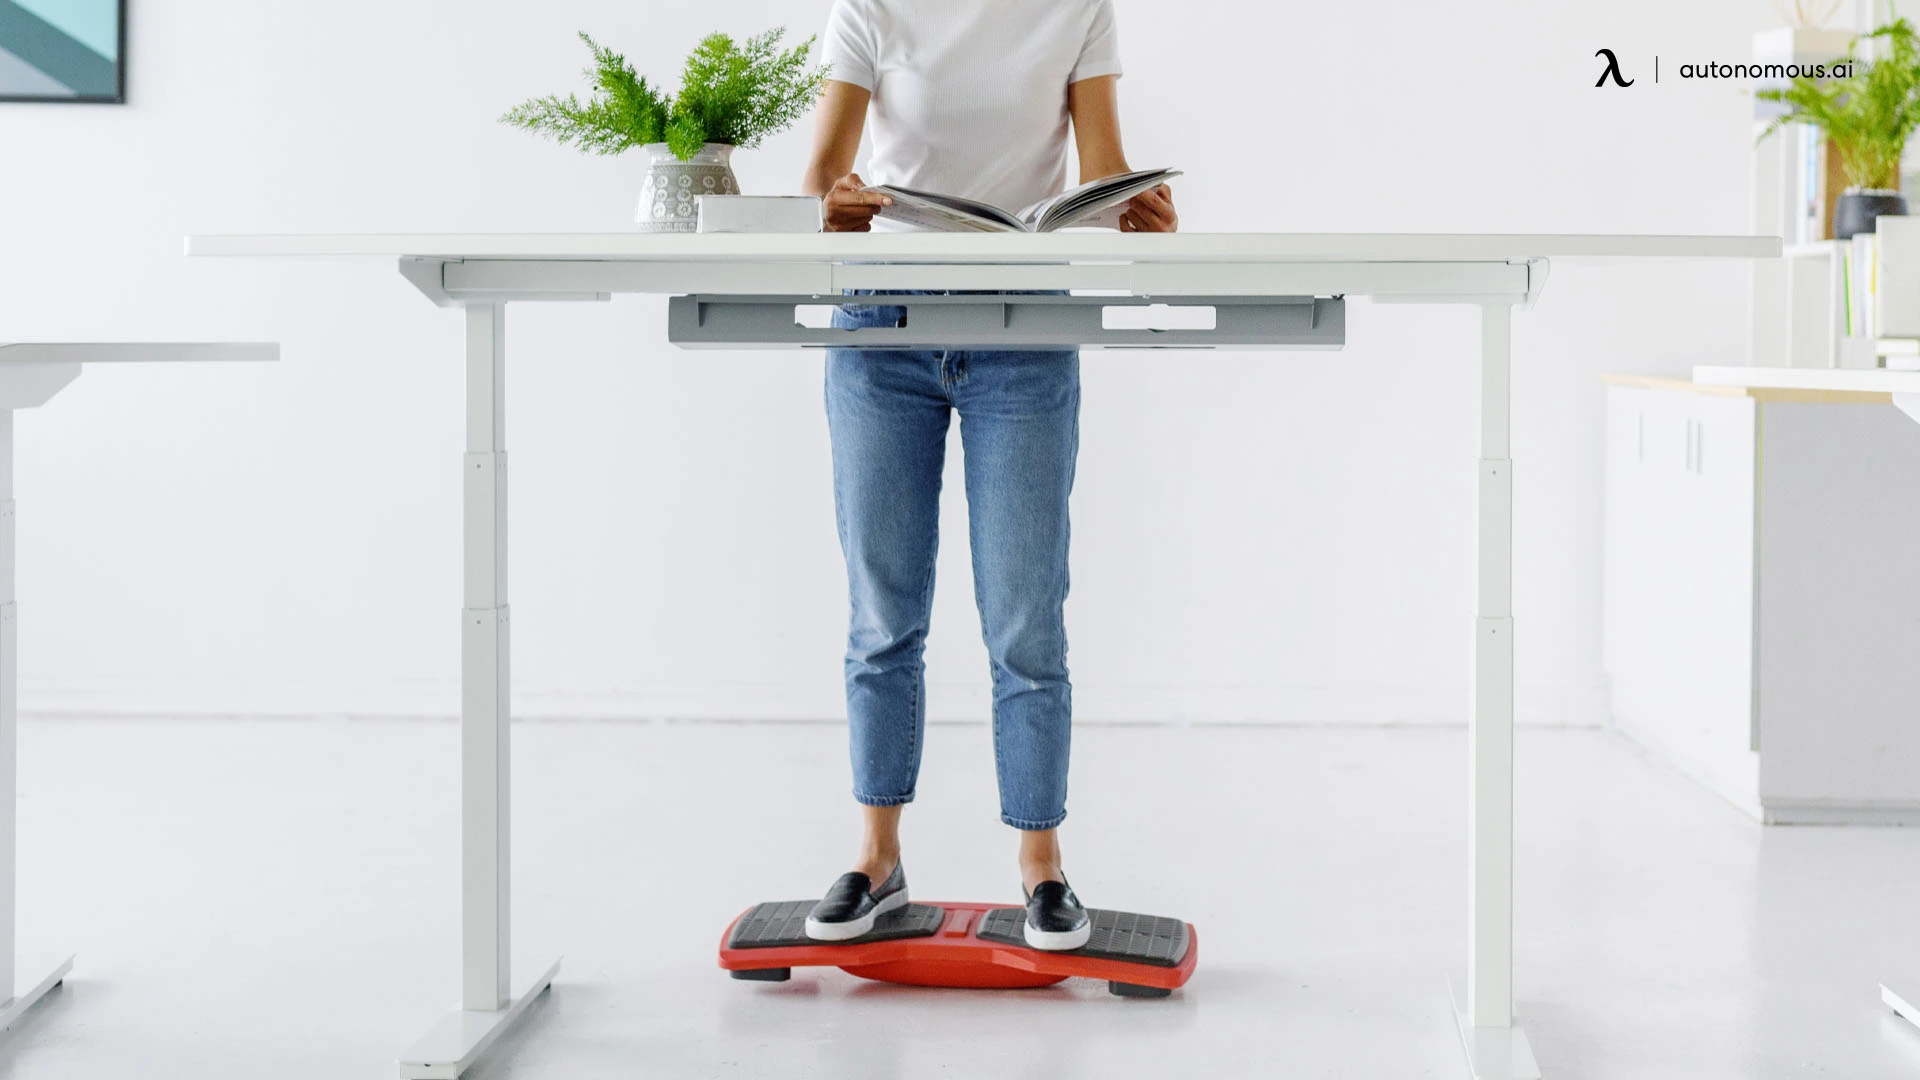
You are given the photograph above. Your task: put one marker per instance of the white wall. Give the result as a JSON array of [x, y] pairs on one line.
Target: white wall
[[1256, 536]]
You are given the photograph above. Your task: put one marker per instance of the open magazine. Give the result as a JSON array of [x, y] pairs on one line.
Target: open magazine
[[1075, 206]]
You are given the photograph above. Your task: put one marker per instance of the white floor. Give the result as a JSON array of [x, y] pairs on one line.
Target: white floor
[[276, 899]]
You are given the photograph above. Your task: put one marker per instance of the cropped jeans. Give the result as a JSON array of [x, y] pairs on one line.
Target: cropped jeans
[[888, 411]]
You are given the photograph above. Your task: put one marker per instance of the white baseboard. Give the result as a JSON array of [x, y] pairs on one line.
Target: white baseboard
[[1733, 775], [1831, 812], [817, 702]]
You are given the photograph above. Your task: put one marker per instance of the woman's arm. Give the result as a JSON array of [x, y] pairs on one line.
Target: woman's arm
[[836, 141], [1094, 105]]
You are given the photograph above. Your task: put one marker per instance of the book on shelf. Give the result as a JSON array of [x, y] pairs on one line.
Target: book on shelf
[[1897, 277], [1081, 205], [1812, 161], [1861, 278], [1899, 354], [1809, 181], [1844, 258]]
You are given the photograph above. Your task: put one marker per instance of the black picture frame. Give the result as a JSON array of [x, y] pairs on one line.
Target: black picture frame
[[119, 96]]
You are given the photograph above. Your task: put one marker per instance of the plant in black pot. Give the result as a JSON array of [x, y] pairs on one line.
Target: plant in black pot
[[1867, 114]]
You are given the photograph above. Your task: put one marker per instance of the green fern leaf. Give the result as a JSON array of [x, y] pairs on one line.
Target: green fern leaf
[[729, 93]]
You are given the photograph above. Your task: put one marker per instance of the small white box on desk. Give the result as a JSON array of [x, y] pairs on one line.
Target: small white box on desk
[[758, 213]]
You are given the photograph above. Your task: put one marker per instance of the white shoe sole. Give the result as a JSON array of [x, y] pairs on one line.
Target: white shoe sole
[[1057, 941], [853, 928]]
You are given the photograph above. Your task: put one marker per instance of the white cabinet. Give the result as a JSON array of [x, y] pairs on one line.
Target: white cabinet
[[1752, 634]]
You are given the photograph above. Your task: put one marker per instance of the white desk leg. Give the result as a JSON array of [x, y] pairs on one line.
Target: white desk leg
[[16, 1001], [1902, 997], [487, 1003], [1496, 1047]]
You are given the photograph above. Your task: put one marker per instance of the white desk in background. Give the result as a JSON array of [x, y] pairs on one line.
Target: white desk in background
[[30, 375], [1902, 994], [1273, 290]]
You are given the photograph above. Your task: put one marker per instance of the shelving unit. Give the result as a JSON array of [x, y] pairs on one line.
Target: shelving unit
[[1797, 310], [1757, 597]]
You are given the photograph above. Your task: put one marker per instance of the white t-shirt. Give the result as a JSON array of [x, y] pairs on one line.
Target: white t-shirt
[[970, 96]]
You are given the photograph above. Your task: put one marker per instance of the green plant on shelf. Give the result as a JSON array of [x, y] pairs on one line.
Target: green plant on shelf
[[1868, 113], [736, 93]]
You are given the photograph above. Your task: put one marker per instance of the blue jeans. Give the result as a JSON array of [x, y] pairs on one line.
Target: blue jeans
[[887, 411]]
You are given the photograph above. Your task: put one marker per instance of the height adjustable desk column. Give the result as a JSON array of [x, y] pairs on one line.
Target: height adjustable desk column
[[1271, 290], [30, 375]]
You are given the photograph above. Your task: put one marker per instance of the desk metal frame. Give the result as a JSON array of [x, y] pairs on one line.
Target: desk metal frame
[[30, 375], [482, 274]]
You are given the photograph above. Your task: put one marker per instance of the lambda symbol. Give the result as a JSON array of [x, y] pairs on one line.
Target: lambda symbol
[[1613, 69]]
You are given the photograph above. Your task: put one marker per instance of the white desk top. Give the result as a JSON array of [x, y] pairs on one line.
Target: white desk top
[[1859, 381], [31, 373], [996, 247], [1410, 267]]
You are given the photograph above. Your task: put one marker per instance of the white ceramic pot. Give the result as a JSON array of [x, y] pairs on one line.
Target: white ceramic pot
[[667, 194]]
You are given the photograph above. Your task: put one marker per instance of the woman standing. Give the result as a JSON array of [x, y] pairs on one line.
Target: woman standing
[[973, 98]]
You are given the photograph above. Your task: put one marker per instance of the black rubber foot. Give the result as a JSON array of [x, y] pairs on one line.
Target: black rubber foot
[[768, 975], [1121, 989]]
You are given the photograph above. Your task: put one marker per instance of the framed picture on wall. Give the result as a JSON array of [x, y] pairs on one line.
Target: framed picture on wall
[[63, 50]]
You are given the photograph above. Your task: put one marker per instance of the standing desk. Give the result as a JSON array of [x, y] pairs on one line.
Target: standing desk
[[1901, 993], [1269, 290], [30, 375]]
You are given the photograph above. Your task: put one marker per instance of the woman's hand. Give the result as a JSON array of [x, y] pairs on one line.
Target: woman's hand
[[1151, 211], [846, 208]]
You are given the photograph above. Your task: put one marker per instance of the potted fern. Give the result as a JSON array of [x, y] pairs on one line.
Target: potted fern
[[1867, 114], [731, 95]]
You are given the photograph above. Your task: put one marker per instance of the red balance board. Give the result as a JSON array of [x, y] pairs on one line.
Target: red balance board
[[974, 945]]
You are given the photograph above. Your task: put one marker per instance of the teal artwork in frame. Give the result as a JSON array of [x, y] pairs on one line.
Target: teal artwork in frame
[[63, 50]]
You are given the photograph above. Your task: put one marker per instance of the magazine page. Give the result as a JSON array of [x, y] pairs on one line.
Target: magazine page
[[1080, 205], [944, 213]]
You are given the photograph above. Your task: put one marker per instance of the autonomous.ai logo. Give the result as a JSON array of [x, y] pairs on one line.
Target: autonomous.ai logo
[[1770, 72], [1612, 70]]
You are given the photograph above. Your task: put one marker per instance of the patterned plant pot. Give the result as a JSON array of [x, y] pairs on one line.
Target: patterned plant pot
[[667, 194]]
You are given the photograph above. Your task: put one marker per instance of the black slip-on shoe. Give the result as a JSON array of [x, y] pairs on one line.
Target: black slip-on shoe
[[1055, 920], [850, 907]]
